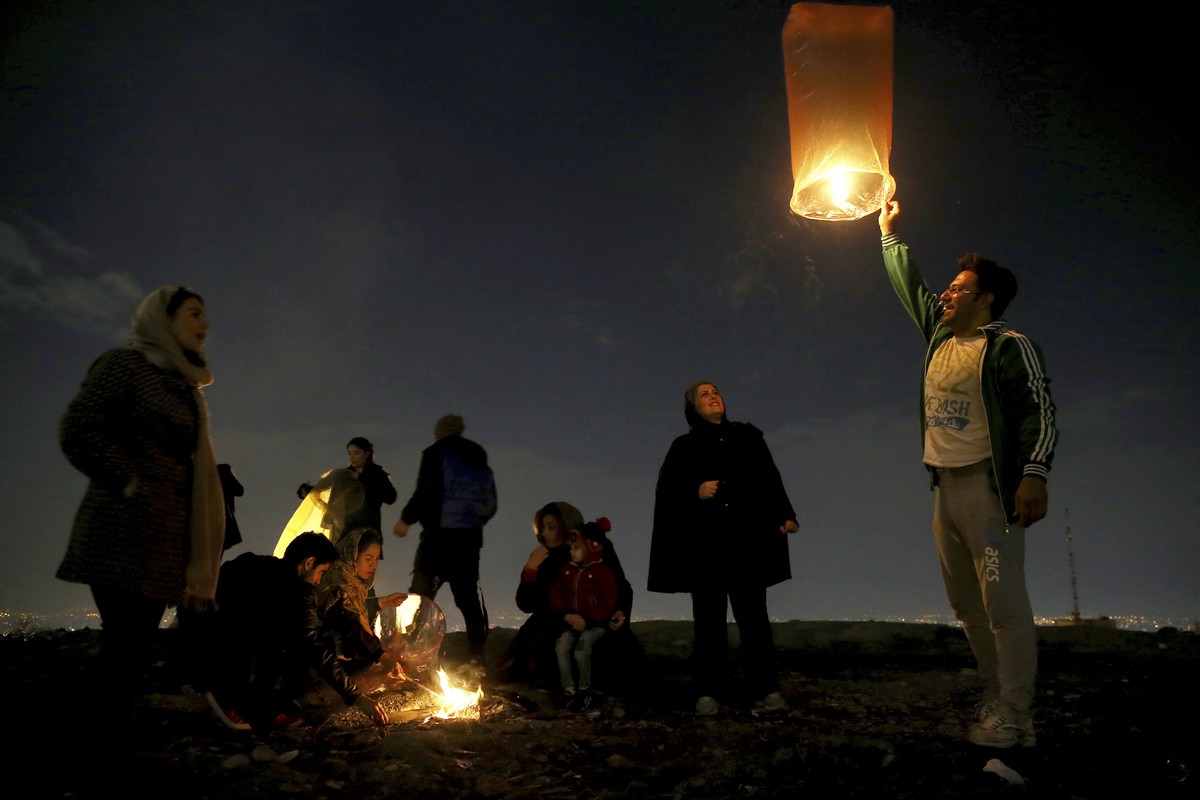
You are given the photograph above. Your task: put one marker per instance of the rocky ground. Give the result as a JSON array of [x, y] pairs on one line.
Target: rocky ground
[[876, 710]]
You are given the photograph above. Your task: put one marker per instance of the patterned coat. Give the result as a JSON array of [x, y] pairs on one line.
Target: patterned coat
[[130, 420]]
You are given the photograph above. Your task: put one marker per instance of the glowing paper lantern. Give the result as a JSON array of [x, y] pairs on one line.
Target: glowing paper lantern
[[838, 64]]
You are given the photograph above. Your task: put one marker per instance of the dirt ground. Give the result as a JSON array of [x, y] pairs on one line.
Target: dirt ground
[[876, 710]]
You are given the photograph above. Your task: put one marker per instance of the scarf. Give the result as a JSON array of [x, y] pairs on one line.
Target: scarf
[[152, 337], [341, 575]]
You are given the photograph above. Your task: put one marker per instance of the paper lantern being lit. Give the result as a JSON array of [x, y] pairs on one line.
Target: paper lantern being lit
[[838, 64]]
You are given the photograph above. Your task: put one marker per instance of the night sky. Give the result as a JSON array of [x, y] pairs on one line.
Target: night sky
[[552, 217]]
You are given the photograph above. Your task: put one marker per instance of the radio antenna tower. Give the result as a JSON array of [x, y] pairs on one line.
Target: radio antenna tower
[[1075, 615]]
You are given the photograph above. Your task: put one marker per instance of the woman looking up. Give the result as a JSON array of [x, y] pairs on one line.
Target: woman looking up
[[721, 515]]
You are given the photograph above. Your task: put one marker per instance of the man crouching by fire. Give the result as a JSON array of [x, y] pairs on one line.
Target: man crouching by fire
[[265, 637]]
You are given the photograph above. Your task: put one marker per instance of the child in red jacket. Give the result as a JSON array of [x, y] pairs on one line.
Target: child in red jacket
[[585, 596]]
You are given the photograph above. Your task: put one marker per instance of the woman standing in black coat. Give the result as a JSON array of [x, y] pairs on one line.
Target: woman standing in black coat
[[721, 515]]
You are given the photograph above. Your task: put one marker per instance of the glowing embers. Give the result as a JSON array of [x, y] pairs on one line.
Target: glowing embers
[[838, 65]]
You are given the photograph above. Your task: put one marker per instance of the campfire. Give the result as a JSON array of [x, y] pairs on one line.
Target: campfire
[[453, 702], [412, 634]]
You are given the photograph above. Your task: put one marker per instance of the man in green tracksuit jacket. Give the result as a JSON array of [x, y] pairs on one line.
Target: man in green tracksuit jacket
[[989, 436]]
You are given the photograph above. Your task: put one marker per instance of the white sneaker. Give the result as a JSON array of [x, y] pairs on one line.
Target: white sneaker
[[999, 729], [707, 707]]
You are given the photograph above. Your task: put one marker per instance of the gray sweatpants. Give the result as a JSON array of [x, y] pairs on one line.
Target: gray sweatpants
[[983, 568]]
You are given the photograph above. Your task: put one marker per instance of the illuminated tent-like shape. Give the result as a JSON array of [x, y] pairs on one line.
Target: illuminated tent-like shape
[[336, 496], [838, 65]]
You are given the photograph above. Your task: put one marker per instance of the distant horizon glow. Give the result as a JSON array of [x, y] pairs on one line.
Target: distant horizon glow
[[79, 618]]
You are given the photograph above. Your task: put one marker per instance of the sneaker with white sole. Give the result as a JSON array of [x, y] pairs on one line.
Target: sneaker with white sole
[[1000, 729], [707, 707]]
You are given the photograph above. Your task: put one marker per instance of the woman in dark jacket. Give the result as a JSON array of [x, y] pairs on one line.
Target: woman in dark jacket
[[531, 654], [373, 490], [377, 485], [358, 493], [721, 515]]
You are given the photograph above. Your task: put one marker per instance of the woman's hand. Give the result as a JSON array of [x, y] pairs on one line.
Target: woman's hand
[[791, 526], [373, 710], [575, 621], [708, 489], [392, 600], [539, 554], [616, 620]]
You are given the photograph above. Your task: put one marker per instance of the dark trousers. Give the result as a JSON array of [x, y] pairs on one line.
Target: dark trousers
[[255, 672], [711, 652], [452, 556], [128, 624]]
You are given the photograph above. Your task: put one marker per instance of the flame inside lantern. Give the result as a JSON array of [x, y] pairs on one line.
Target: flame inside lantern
[[399, 620], [412, 633], [842, 193]]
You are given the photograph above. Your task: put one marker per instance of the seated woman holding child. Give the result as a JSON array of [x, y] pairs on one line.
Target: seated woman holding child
[[531, 655]]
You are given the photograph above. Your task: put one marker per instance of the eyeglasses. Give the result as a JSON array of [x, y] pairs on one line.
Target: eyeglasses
[[955, 291]]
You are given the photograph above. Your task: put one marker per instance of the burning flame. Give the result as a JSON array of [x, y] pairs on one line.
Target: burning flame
[[454, 703], [404, 613], [839, 190]]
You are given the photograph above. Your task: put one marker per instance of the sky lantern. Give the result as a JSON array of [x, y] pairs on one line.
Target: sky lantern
[[838, 65], [337, 494]]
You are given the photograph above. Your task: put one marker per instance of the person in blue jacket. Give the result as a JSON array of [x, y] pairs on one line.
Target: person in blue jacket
[[455, 497]]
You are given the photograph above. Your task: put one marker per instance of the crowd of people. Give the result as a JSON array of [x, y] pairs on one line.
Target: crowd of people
[[158, 515]]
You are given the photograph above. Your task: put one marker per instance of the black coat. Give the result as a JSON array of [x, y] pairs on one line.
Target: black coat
[[377, 491], [267, 613], [731, 539]]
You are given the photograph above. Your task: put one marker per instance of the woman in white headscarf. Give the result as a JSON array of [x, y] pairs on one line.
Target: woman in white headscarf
[[150, 529]]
